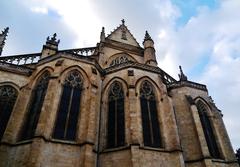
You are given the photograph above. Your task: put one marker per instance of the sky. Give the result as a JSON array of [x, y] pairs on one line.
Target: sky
[[201, 35]]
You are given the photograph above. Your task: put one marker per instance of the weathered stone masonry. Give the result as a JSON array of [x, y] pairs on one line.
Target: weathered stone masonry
[[106, 106]]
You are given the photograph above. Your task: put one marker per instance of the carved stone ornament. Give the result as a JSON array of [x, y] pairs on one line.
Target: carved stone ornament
[[8, 92], [116, 91], [146, 90], [119, 60], [124, 30], [74, 79], [190, 100]]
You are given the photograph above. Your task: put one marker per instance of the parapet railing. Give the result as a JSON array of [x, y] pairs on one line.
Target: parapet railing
[[21, 59], [35, 57], [81, 51], [187, 83], [167, 79]]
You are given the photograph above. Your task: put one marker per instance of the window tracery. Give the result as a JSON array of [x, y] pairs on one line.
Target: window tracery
[[150, 123], [8, 96], [37, 99], [208, 131], [116, 122], [68, 112]]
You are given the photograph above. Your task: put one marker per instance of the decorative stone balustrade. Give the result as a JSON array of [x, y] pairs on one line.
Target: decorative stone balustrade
[[81, 51], [21, 59]]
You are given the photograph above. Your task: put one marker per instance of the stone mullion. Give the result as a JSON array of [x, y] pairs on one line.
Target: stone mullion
[[17, 117]]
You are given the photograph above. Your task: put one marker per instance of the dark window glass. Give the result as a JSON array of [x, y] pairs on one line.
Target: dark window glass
[[8, 96], [37, 99], [208, 131], [150, 124], [67, 118], [116, 124]]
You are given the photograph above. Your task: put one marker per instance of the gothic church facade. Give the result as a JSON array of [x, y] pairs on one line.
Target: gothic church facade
[[105, 106]]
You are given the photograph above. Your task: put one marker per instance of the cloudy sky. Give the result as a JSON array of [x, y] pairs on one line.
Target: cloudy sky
[[201, 35]]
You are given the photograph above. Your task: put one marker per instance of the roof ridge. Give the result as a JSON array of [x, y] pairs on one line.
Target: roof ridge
[[118, 27]]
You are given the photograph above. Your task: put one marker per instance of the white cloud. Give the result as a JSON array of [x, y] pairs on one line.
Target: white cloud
[[214, 34], [39, 10], [78, 15]]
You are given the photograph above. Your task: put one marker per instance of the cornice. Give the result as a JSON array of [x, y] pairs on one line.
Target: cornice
[[22, 70], [190, 84], [165, 77]]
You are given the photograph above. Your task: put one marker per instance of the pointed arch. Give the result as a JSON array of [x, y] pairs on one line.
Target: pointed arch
[[8, 96], [116, 120], [7, 83], [34, 109], [150, 123], [156, 87], [36, 76], [207, 128], [69, 108], [84, 75]]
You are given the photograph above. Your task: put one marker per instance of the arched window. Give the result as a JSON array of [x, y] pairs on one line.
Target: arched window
[[8, 96], [208, 131], [37, 99], [150, 124], [116, 127], [69, 108]]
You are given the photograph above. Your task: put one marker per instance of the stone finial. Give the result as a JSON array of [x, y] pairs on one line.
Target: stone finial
[[53, 40], [182, 76], [149, 51], [5, 31], [102, 36], [147, 37], [51, 46], [123, 22], [3, 37]]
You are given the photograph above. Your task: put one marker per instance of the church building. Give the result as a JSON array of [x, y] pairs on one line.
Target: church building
[[109, 105]]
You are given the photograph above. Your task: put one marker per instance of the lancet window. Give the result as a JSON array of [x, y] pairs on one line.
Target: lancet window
[[150, 123], [69, 108], [207, 129], [36, 102], [116, 126], [8, 96]]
